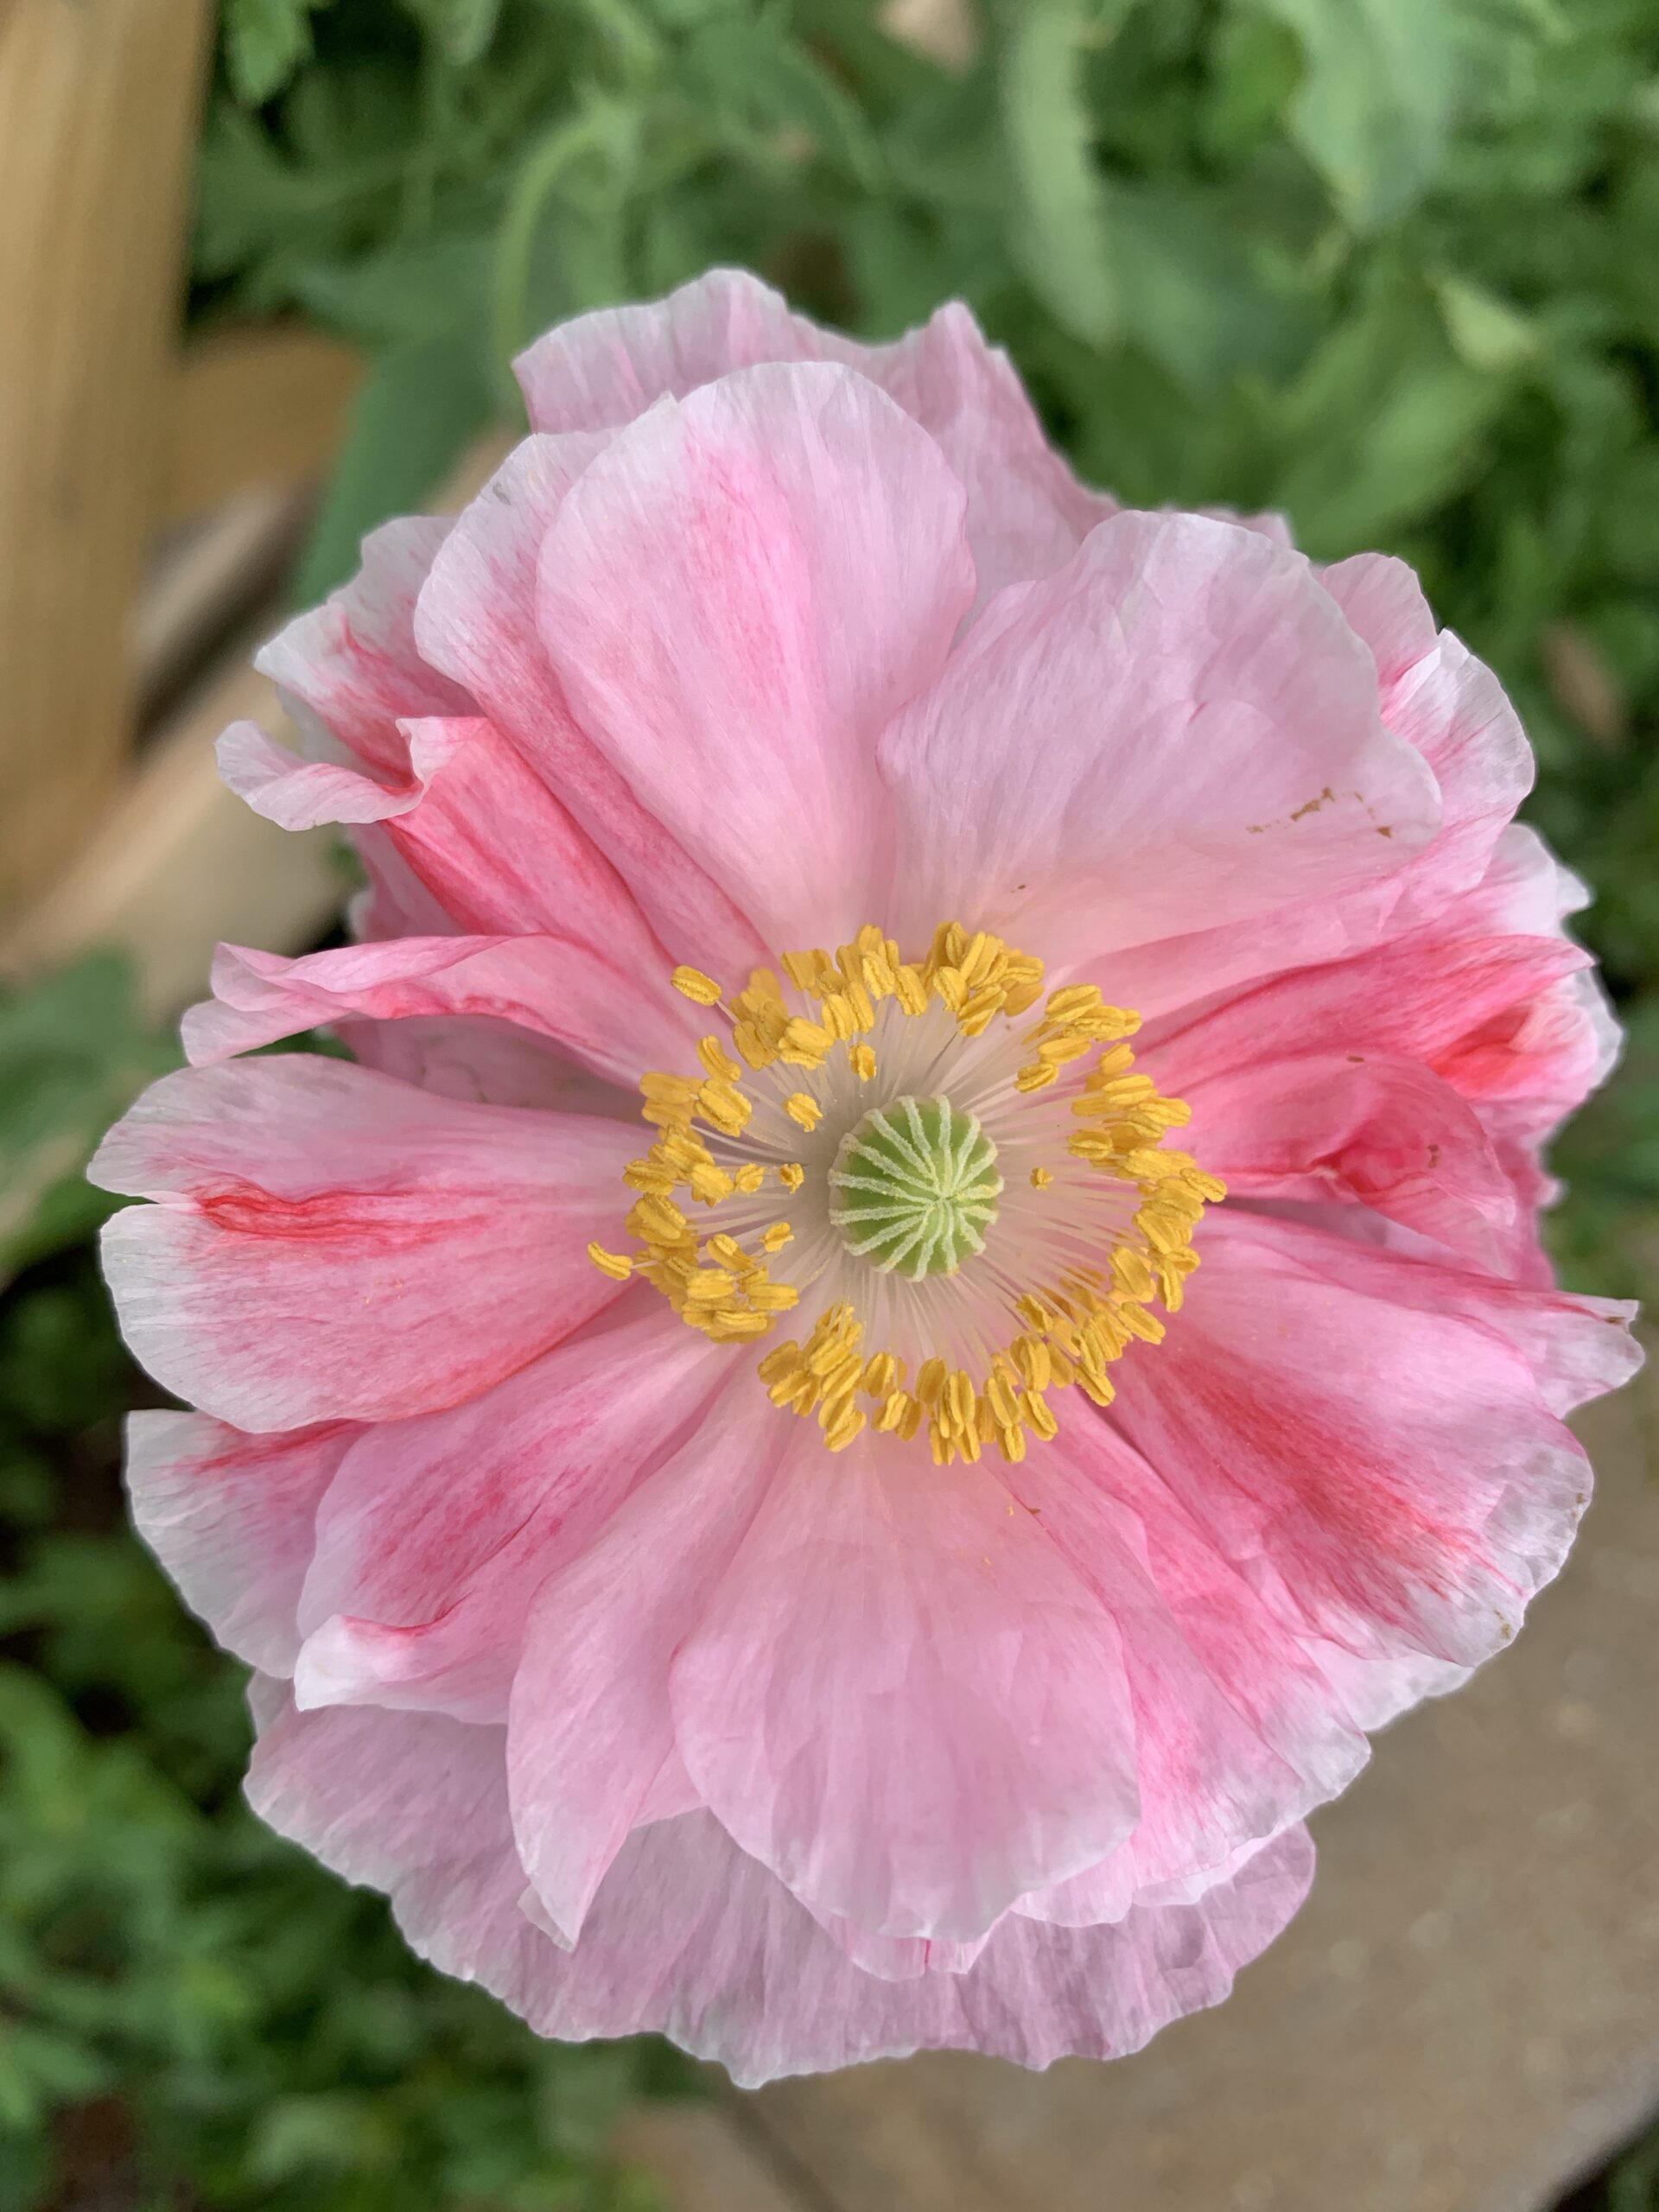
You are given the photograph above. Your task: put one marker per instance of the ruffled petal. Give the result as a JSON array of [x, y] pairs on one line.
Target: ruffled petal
[[333, 1245], [349, 670], [1362, 1129], [233, 1519], [610, 1017], [1026, 512], [1451, 709], [1575, 1348], [477, 620], [689, 1938], [902, 1700], [737, 596], [1177, 726]]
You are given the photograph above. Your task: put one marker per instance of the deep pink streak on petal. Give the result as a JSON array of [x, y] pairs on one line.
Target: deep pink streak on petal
[[1420, 997], [335, 1245], [737, 596], [691, 1939], [437, 1533], [590, 1727], [1237, 1733], [1391, 1474], [477, 620], [902, 1700], [1178, 729]]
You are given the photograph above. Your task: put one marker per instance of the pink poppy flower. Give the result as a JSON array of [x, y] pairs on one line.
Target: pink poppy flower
[[824, 1570]]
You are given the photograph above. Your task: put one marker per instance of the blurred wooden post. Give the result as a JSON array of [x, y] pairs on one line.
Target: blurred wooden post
[[98, 102]]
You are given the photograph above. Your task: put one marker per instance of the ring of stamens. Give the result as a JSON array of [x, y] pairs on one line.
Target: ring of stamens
[[745, 1142]]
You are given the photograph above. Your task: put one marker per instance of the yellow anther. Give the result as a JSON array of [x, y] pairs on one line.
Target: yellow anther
[[659, 1221], [1036, 1076], [861, 1060], [617, 1265], [894, 1407], [725, 1106], [749, 1177], [804, 1109], [804, 1044], [718, 1061], [910, 989], [692, 984], [881, 1375], [777, 1236], [792, 1174], [1041, 1178]]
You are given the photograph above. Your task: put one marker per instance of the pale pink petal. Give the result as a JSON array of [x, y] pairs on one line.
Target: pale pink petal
[[350, 668], [737, 596], [1177, 725], [496, 1063], [233, 1519], [1451, 709], [298, 794], [1451, 706], [902, 1700], [1389, 1478], [1026, 512], [1576, 1347], [333, 1245], [477, 620], [590, 1727], [689, 1938], [1364, 1129], [436, 1533], [612, 1019]]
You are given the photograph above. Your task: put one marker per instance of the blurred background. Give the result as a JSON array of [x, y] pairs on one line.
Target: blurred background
[[1390, 265]]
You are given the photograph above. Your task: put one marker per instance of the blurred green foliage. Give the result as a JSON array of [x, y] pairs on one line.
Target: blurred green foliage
[[1387, 265]]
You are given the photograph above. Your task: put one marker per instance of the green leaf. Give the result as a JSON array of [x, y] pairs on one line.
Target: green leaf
[[1060, 230], [1374, 109], [462, 28], [1191, 291], [420, 405], [1484, 330], [264, 42], [1382, 423]]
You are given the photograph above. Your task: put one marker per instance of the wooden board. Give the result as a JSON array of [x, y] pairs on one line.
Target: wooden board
[[98, 109]]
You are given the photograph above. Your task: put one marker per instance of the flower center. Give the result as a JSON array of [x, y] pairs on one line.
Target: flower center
[[914, 1187], [967, 1198]]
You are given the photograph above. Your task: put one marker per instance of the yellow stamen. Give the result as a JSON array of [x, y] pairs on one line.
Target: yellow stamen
[[693, 984], [1066, 1329]]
